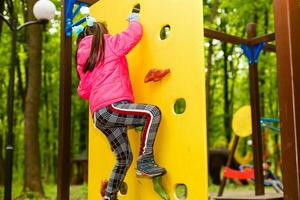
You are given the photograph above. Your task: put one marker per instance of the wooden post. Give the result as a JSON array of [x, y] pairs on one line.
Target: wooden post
[[287, 26], [64, 162], [255, 113], [229, 161]]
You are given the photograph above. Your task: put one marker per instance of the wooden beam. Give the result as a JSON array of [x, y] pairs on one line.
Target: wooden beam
[[264, 38], [224, 37], [287, 17], [228, 164], [270, 47]]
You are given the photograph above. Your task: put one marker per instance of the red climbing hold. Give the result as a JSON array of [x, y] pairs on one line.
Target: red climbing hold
[[156, 75]]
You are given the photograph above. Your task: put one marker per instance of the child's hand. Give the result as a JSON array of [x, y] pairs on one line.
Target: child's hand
[[133, 17]]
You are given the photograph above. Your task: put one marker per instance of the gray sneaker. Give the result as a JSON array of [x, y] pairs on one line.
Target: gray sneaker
[[146, 166], [109, 198]]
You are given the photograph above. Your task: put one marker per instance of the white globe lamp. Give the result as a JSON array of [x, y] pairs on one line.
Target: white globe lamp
[[44, 10]]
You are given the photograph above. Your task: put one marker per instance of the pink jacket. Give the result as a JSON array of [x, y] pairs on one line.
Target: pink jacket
[[108, 82]]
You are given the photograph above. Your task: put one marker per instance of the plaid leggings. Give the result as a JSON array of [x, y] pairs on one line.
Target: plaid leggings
[[113, 121]]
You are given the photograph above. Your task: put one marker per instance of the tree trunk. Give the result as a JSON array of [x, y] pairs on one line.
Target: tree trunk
[[54, 142], [227, 125], [1, 12], [47, 128], [1, 161], [32, 169], [54, 124], [262, 84], [208, 88], [233, 78], [2, 132], [20, 85]]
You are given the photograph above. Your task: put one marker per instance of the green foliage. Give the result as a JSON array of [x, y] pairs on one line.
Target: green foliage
[[223, 15], [232, 17]]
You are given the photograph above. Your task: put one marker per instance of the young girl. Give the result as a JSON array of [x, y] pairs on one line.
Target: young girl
[[104, 80]]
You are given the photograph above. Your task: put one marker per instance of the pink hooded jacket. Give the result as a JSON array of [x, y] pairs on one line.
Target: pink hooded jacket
[[108, 82]]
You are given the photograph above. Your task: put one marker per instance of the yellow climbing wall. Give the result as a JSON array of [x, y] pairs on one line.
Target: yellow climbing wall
[[181, 141]]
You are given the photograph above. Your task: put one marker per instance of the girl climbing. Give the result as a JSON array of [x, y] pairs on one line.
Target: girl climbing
[[104, 80]]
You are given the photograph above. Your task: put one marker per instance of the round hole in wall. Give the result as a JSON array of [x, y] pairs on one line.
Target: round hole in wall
[[180, 106], [165, 32], [136, 8], [123, 188], [181, 191]]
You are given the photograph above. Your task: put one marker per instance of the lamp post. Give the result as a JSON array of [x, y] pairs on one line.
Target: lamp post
[[43, 10]]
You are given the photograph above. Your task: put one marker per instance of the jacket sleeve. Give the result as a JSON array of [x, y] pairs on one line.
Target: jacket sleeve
[[84, 88], [123, 42], [83, 93], [83, 52]]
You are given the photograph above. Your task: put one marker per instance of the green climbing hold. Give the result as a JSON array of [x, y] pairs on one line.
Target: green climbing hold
[[180, 106], [138, 128], [159, 188], [123, 188]]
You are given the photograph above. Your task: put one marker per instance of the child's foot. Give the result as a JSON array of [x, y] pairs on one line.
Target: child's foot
[[146, 166], [103, 188], [114, 197]]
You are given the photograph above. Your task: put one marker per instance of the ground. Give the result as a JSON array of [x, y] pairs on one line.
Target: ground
[[76, 192], [80, 192]]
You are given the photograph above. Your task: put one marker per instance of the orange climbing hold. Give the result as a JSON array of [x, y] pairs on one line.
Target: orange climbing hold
[[156, 75]]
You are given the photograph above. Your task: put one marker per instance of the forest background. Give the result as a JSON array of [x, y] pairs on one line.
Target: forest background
[[37, 90]]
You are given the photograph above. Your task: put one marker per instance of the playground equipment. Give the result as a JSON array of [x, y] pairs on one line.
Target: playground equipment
[[252, 48], [287, 15], [267, 123], [242, 127], [245, 174], [181, 140]]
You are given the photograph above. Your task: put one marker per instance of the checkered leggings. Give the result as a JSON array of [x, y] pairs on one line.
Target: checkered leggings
[[113, 121]]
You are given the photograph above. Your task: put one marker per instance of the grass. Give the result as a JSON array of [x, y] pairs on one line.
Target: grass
[[78, 192]]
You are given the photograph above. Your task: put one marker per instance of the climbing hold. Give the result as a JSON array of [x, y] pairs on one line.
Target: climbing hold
[[180, 106], [136, 8], [138, 128], [123, 188], [103, 187], [156, 75], [159, 188]]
